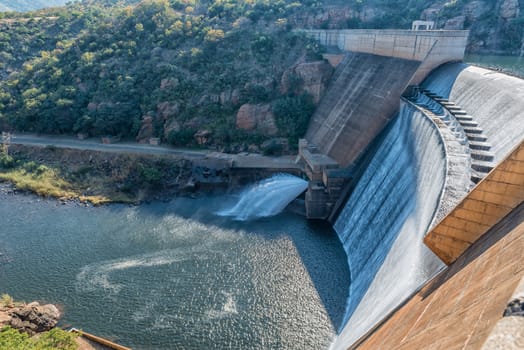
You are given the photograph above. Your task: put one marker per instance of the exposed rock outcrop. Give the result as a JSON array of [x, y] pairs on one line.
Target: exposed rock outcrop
[[257, 117], [509, 9], [476, 9], [336, 17], [146, 130], [202, 137], [31, 318], [166, 109], [455, 23], [431, 13], [229, 96], [310, 77]]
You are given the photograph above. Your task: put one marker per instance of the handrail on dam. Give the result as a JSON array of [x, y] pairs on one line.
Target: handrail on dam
[[99, 340]]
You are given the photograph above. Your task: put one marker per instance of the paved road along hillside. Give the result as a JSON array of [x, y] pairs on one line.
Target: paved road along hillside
[[237, 160]]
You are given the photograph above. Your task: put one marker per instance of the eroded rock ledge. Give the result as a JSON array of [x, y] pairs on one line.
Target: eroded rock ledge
[[31, 318]]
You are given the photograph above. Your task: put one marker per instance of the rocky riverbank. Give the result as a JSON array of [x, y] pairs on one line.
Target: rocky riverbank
[[96, 177], [99, 177], [30, 318]]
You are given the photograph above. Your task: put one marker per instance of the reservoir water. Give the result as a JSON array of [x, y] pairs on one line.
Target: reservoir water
[[506, 64], [174, 275]]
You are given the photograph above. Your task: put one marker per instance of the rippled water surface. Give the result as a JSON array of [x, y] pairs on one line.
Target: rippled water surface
[[175, 276], [507, 64]]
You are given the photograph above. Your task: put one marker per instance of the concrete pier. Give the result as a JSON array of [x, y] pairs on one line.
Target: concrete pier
[[326, 181]]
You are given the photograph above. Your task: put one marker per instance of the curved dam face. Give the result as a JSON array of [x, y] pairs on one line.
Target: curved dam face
[[384, 221], [494, 100]]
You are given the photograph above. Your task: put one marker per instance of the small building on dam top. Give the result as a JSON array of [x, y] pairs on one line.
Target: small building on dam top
[[417, 160]]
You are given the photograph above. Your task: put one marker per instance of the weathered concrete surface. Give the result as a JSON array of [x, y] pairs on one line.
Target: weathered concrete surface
[[458, 309], [492, 199], [495, 100], [362, 97], [442, 45], [508, 333]]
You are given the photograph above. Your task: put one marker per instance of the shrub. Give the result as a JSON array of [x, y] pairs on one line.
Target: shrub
[[149, 175], [6, 161], [55, 339], [7, 300], [30, 166], [292, 115], [183, 137]]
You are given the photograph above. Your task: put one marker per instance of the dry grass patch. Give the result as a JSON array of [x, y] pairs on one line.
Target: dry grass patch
[[47, 182]]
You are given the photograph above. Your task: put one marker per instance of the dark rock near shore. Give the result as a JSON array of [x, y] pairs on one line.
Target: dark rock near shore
[[34, 318]]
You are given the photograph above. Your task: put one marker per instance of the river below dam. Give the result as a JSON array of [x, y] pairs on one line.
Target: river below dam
[[175, 275]]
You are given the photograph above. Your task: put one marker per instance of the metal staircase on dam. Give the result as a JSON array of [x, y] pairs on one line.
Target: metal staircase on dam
[[464, 127]]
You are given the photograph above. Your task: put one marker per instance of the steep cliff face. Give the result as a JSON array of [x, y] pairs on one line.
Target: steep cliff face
[[497, 26]]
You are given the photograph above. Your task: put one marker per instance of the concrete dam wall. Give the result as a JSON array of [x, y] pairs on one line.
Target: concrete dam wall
[[459, 125], [393, 204], [494, 100], [432, 47], [362, 97], [384, 221]]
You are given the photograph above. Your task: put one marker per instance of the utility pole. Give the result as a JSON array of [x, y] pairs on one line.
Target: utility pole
[[6, 141]]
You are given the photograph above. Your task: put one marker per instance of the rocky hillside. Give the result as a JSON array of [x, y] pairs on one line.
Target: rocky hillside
[[186, 72], [229, 74]]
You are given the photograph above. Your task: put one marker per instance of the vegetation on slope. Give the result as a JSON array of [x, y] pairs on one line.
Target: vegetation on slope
[[12, 339], [55, 339], [93, 177], [174, 69], [189, 65]]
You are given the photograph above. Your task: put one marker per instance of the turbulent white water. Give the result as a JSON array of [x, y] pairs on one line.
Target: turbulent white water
[[266, 198], [384, 221]]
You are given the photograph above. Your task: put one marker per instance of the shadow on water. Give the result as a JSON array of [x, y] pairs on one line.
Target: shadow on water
[[315, 241]]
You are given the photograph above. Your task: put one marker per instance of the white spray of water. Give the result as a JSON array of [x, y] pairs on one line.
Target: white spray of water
[[266, 198], [384, 221]]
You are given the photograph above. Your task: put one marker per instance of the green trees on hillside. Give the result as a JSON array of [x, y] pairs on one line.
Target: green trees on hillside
[[97, 70], [292, 115]]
